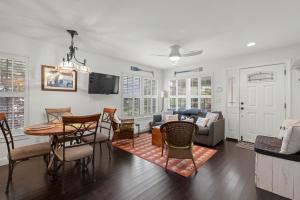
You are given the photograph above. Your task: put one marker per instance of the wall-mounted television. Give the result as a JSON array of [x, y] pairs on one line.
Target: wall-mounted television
[[103, 84]]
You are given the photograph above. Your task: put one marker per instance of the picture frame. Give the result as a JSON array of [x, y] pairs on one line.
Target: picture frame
[[55, 80]]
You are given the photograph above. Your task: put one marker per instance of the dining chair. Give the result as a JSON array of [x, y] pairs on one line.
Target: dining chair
[[72, 148], [105, 124], [19, 154], [123, 129], [54, 115], [178, 138]]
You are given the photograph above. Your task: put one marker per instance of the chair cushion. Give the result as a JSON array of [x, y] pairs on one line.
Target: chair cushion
[[203, 130], [99, 138], [74, 153], [212, 117], [30, 151]]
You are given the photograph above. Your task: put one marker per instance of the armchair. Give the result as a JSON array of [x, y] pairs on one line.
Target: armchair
[[123, 129]]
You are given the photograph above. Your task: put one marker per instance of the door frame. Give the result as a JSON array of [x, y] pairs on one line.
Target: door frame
[[286, 94]]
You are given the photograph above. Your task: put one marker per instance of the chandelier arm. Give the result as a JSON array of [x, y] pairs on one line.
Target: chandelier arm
[[82, 63]]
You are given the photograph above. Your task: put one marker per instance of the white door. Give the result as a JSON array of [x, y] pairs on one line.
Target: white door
[[262, 101]]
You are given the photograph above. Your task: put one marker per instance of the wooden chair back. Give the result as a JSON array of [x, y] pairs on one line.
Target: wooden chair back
[[178, 133], [55, 114], [107, 119], [77, 127], [7, 134]]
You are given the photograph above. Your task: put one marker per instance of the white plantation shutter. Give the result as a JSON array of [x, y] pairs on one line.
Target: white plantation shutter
[[12, 91], [137, 102]]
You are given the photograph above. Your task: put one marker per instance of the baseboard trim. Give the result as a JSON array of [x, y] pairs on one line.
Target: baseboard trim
[[231, 139]]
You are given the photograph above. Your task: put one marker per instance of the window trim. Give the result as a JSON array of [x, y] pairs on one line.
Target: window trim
[[188, 95], [25, 94]]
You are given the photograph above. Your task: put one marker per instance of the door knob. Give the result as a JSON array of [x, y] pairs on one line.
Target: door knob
[[242, 103], [242, 108]]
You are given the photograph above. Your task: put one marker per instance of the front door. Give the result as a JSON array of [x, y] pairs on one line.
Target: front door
[[262, 101]]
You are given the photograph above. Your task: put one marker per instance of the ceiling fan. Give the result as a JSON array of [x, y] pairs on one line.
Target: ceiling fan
[[175, 54]]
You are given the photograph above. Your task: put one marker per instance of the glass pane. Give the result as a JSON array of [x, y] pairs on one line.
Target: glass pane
[[172, 103], [206, 86], [181, 103], [127, 107], [194, 86], [182, 87], [173, 88], [147, 87], [13, 107], [136, 108], [127, 85], [154, 110], [154, 87], [194, 102], [136, 86], [147, 106], [6, 83], [19, 76], [206, 104]]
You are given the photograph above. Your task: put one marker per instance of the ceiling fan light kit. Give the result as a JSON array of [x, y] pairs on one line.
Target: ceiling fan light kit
[[67, 64], [175, 54]]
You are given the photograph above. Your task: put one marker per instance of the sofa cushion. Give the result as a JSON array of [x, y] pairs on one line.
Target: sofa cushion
[[203, 130], [157, 118], [212, 117], [170, 118], [291, 141], [202, 121], [164, 114], [271, 146]]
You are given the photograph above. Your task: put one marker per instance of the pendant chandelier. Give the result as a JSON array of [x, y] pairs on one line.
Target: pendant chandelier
[[71, 62]]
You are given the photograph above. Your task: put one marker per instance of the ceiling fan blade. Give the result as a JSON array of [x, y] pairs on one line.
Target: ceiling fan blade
[[192, 53], [160, 55]]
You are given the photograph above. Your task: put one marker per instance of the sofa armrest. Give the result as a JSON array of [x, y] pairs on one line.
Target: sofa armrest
[[217, 131]]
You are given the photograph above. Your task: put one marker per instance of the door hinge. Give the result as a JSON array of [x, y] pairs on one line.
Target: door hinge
[[284, 71], [284, 105]]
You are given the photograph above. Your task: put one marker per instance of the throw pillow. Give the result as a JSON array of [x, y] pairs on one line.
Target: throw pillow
[[164, 114], [170, 118], [291, 141], [286, 124], [117, 119], [188, 119], [201, 121], [212, 117]]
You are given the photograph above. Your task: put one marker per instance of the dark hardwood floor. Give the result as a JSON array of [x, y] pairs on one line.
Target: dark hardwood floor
[[227, 175]]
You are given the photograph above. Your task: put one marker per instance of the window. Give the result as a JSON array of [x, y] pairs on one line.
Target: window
[[12, 91], [182, 87], [138, 102], [191, 93], [131, 95]]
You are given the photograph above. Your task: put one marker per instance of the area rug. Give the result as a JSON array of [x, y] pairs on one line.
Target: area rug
[[143, 148], [245, 145]]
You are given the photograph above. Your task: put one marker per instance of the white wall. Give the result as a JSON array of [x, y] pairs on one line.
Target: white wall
[[218, 69], [81, 102]]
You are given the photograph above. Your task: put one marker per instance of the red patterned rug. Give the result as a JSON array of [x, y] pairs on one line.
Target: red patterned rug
[[143, 148]]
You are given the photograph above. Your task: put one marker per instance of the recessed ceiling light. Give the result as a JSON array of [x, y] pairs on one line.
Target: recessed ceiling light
[[251, 44]]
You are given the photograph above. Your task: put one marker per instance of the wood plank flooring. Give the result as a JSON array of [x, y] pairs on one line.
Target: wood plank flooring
[[227, 175]]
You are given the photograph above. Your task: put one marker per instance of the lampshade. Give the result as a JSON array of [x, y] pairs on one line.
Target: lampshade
[[174, 59]]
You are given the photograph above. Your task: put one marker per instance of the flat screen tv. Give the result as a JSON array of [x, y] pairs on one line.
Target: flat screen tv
[[103, 84]]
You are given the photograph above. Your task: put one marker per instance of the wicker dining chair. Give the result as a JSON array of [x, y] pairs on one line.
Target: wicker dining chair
[[19, 154], [105, 124], [123, 129], [54, 115], [178, 138], [72, 148]]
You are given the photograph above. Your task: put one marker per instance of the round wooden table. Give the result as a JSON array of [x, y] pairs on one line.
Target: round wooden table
[[54, 129]]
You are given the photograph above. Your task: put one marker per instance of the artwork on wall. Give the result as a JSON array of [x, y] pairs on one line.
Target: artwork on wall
[[56, 80]]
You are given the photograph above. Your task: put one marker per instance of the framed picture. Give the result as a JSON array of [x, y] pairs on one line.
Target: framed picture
[[54, 80]]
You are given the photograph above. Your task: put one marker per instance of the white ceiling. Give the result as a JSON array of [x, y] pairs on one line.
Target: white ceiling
[[134, 30]]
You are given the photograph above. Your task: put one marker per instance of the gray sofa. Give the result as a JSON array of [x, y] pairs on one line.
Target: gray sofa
[[209, 136]]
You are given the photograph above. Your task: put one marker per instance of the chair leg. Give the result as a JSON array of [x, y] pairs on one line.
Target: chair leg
[[9, 177], [93, 168], [162, 150], [166, 168], [133, 142], [63, 177], [194, 165]]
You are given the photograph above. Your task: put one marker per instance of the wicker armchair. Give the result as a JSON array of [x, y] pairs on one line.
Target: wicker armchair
[[124, 130], [178, 138]]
